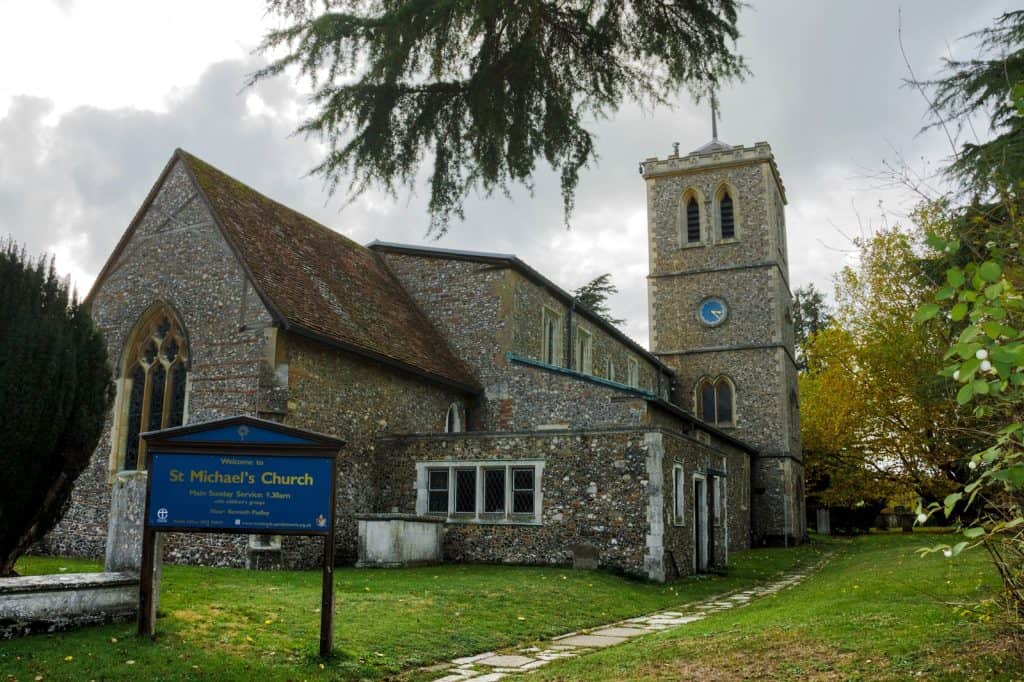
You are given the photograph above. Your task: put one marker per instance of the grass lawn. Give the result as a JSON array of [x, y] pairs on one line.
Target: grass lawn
[[228, 623], [877, 611]]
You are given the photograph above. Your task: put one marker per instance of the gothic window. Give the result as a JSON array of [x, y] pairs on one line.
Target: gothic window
[[691, 217], [692, 221], [726, 217], [156, 367], [715, 401], [632, 372], [453, 420], [551, 342], [583, 351]]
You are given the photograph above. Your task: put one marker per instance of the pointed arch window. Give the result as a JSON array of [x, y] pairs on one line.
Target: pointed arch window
[[715, 401], [691, 217], [453, 419], [155, 374], [726, 216], [692, 221]]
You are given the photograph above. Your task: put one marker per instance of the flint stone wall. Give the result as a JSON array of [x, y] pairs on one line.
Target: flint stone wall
[[594, 486], [485, 312], [179, 257]]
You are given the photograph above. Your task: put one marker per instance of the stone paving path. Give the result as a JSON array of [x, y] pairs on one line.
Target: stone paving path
[[491, 665]]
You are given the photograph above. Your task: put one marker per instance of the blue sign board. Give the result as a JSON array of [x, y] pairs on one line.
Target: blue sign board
[[240, 492]]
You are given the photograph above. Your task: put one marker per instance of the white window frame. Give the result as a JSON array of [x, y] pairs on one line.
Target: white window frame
[[551, 351], [678, 495], [633, 372], [583, 351], [610, 368], [507, 517]]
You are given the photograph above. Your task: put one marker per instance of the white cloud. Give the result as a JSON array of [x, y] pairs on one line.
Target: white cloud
[[105, 91]]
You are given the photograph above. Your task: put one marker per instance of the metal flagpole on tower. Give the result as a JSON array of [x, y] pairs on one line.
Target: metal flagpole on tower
[[714, 117]]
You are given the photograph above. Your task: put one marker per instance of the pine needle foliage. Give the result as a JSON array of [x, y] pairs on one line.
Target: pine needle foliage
[[980, 87], [55, 391], [485, 89], [594, 297]]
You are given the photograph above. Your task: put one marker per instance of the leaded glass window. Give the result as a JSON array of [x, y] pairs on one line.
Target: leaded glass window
[[465, 491], [156, 376], [494, 491], [522, 490], [437, 485]]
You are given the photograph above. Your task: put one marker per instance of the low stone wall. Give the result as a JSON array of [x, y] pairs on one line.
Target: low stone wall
[[51, 603]]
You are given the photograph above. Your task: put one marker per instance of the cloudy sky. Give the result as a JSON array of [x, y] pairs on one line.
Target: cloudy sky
[[96, 94]]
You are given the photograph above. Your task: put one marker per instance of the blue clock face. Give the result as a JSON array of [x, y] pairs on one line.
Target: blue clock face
[[712, 311]]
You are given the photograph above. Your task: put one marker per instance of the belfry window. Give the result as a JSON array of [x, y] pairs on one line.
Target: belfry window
[[692, 221], [727, 218], [155, 378], [715, 401]]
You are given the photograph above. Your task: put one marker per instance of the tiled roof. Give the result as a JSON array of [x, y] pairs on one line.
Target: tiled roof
[[321, 283]]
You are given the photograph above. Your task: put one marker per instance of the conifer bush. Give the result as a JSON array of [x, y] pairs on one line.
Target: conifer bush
[[55, 390]]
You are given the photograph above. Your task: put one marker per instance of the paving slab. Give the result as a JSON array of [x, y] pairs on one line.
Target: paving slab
[[506, 661], [595, 640], [619, 632], [465, 660]]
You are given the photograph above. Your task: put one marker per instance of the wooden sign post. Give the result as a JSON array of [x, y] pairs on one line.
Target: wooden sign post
[[240, 475]]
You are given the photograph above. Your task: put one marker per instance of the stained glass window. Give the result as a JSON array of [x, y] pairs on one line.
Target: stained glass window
[[156, 371]]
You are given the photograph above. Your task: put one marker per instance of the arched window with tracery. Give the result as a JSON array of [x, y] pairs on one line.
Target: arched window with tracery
[[155, 374], [715, 400]]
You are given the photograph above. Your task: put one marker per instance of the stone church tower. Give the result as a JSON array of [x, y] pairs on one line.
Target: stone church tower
[[720, 312]]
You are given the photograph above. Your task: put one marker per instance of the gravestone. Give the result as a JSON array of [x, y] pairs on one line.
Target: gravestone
[[585, 556], [824, 525], [124, 528]]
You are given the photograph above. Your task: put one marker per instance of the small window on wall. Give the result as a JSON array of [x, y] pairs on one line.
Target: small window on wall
[[465, 491], [453, 419], [484, 492], [551, 341], [678, 501], [610, 369], [632, 372], [583, 351], [715, 401], [437, 491]]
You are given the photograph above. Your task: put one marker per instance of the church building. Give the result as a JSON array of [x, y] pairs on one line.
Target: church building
[[468, 386]]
